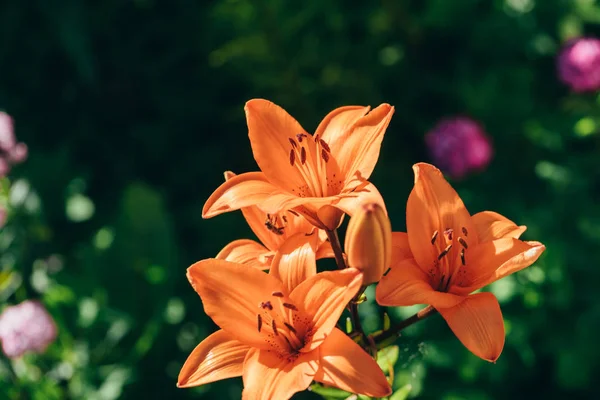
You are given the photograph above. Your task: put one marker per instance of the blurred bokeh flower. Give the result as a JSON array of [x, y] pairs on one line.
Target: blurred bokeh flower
[[11, 152], [578, 64], [458, 146], [26, 327]]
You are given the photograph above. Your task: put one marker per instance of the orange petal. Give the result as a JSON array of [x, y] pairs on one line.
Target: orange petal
[[434, 206], [295, 261], [349, 202], [400, 247], [243, 190], [491, 225], [246, 251], [494, 260], [269, 376], [231, 293], [217, 357], [324, 297], [324, 250], [356, 149], [477, 323], [337, 123], [270, 129], [345, 365], [406, 284]]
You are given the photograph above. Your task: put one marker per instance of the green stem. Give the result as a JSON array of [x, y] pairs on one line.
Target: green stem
[[334, 239], [395, 330]]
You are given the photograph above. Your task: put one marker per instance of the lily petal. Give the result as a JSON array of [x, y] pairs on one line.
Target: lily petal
[[243, 190], [324, 297], [477, 323], [270, 129], [490, 226], [406, 284], [246, 251], [356, 148], [217, 357], [400, 247], [269, 376], [350, 201], [230, 294], [494, 260], [434, 206], [334, 127], [295, 261], [345, 365]]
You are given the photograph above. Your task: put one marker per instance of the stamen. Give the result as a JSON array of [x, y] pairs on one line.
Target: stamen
[[463, 242], [294, 212], [266, 305], [259, 322], [462, 257], [325, 145], [464, 231], [448, 233], [316, 138], [324, 155], [274, 326], [444, 252], [300, 136], [277, 294], [292, 157], [290, 306], [290, 327], [284, 218], [303, 155], [435, 235], [387, 271]]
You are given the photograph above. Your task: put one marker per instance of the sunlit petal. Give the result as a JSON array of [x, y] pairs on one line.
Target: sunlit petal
[[491, 225], [295, 261]]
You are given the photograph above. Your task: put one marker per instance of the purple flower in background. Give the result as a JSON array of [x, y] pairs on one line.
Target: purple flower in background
[[11, 152], [26, 327], [458, 146], [579, 64]]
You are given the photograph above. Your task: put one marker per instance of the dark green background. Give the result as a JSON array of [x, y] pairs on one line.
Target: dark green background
[[137, 106]]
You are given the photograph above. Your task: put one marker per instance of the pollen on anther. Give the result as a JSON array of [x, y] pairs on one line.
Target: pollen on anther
[[293, 142], [444, 252], [435, 235], [277, 294], [266, 305], [290, 327], [325, 155], [300, 136], [464, 231], [303, 156], [448, 233], [463, 242], [259, 322], [290, 306], [325, 145], [274, 326], [292, 157], [462, 257]]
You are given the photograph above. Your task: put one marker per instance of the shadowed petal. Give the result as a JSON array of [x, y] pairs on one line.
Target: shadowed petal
[[434, 206], [246, 251], [494, 260], [491, 225], [295, 261], [269, 376], [344, 364], [477, 323], [335, 124], [243, 190], [406, 284], [231, 293], [400, 247], [217, 357], [324, 297], [270, 129], [350, 201]]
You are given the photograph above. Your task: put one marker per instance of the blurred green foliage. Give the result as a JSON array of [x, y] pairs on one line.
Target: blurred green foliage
[[133, 109]]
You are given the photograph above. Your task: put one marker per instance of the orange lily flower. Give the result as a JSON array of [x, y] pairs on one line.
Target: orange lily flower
[[447, 254], [286, 236], [279, 341], [319, 176]]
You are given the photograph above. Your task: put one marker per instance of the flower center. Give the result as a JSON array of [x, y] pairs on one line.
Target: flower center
[[285, 328], [446, 269], [310, 155]]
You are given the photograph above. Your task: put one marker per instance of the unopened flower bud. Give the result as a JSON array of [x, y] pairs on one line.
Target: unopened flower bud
[[369, 242]]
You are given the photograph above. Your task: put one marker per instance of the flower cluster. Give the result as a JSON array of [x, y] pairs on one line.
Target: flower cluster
[[578, 64], [26, 327], [278, 314]]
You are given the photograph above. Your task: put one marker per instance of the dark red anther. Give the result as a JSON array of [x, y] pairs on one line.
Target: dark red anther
[[290, 306], [293, 142], [444, 252], [300, 136], [266, 305], [290, 327], [325, 145], [303, 156], [259, 322], [464, 231], [292, 157], [325, 155], [435, 235], [274, 326], [277, 294], [463, 242], [448, 233], [462, 257]]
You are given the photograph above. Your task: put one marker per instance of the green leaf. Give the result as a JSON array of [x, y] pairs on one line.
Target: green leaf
[[387, 357], [401, 393], [328, 392]]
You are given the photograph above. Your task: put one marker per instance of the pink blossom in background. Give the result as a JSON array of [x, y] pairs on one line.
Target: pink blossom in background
[[459, 146], [578, 64], [11, 152], [26, 327]]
